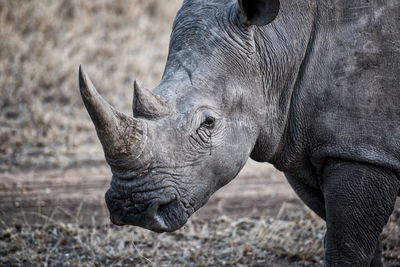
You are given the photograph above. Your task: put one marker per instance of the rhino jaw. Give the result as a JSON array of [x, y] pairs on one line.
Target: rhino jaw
[[160, 215]]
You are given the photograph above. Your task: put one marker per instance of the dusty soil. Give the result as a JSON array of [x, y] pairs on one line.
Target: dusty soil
[[77, 196], [259, 190], [260, 193]]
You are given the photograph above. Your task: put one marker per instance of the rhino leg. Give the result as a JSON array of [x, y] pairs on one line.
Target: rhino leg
[[312, 197], [359, 199]]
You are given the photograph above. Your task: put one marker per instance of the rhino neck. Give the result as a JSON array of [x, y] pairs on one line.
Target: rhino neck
[[287, 47]]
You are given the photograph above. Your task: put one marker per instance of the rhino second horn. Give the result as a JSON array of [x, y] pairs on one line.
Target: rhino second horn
[[119, 134], [146, 104]]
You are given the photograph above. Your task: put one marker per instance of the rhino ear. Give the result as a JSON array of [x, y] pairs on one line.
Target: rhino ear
[[258, 12]]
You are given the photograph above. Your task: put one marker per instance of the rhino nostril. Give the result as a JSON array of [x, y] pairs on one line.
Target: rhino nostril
[[163, 205], [140, 207], [162, 208]]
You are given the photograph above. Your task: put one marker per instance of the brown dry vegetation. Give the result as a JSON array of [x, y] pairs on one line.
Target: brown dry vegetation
[[42, 43], [288, 241], [44, 124]]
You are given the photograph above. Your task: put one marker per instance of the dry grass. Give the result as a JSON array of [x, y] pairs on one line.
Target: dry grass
[[287, 241], [42, 42]]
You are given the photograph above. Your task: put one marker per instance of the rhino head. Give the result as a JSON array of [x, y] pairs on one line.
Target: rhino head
[[196, 130]]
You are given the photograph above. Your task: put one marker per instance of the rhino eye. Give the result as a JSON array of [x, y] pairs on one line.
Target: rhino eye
[[209, 122]]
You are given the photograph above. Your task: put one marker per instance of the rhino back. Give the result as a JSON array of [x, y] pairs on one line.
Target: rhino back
[[347, 102]]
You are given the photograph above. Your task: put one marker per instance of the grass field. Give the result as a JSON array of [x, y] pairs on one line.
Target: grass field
[[43, 125], [42, 43], [261, 241]]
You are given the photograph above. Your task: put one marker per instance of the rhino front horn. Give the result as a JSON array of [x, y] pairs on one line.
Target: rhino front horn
[[146, 104], [119, 134]]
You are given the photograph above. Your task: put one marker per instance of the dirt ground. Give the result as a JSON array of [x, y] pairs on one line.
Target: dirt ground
[[259, 190], [75, 196]]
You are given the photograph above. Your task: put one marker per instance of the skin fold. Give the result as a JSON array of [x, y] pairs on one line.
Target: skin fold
[[309, 86]]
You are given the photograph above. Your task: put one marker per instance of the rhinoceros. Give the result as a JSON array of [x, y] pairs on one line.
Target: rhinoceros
[[310, 86]]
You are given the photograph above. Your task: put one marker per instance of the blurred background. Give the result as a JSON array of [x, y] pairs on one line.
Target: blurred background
[[42, 118], [52, 170]]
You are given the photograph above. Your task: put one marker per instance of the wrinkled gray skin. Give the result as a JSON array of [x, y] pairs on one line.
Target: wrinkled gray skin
[[312, 87]]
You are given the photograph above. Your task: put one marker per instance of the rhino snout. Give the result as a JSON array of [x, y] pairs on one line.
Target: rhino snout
[[161, 214]]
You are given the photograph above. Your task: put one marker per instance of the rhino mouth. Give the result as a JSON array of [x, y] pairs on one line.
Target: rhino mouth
[[162, 213]]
